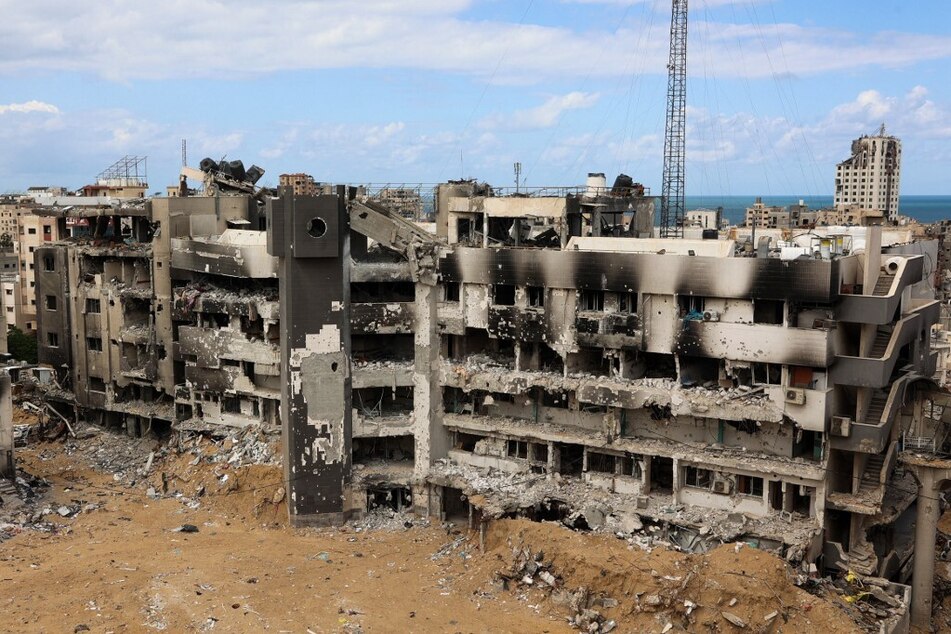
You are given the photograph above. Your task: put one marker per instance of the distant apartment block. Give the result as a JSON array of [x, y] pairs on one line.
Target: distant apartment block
[[870, 177]]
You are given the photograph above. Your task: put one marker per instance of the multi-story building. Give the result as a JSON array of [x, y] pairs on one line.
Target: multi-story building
[[653, 375], [870, 177], [302, 184], [129, 316], [530, 358]]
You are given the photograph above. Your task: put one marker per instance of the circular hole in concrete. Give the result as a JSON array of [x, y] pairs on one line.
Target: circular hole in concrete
[[316, 227]]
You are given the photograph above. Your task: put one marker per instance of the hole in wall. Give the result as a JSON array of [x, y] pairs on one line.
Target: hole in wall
[[333, 366], [316, 227]]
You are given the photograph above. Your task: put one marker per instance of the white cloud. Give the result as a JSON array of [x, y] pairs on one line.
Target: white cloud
[[29, 106], [543, 116], [125, 40]]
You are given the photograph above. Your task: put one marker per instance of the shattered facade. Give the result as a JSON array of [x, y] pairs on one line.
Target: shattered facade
[[166, 314], [533, 357], [629, 380]]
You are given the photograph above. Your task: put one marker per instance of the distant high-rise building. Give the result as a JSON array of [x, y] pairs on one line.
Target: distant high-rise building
[[303, 184], [870, 177]]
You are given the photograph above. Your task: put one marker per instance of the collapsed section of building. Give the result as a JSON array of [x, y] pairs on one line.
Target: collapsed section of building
[[538, 355]]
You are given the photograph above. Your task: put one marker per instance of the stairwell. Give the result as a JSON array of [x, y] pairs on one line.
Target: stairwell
[[876, 407], [880, 345], [871, 477], [883, 285]]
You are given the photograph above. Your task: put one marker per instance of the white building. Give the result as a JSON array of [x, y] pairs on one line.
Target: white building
[[870, 177]]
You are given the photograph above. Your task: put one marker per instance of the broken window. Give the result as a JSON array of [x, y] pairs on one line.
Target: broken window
[[539, 452], [697, 477], [52, 339], [231, 405], [767, 374], [94, 344], [627, 303], [536, 296], [517, 449], [688, 304], [466, 442], [93, 306], [749, 485], [591, 300], [572, 459], [662, 474], [768, 311], [96, 384], [503, 295], [51, 302], [48, 263], [450, 291], [600, 463]]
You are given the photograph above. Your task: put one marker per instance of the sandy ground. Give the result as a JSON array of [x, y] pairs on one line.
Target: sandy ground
[[123, 568]]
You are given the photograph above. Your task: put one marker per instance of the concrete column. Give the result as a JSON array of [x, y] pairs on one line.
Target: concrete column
[[430, 436], [926, 526], [311, 235], [7, 463]]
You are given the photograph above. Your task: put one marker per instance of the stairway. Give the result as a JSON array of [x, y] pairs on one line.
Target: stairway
[[876, 407], [872, 474], [880, 345], [883, 285]]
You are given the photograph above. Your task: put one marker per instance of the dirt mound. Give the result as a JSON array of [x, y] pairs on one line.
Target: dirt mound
[[732, 586], [246, 492]]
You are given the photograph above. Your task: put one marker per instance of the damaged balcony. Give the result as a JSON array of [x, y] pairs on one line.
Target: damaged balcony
[[382, 411], [235, 253], [876, 369], [613, 392], [880, 305], [383, 373], [725, 458], [257, 303], [386, 460], [382, 319], [812, 347], [609, 330]]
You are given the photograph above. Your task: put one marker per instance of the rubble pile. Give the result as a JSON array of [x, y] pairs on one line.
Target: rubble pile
[[604, 585], [531, 570], [250, 445], [383, 518], [21, 506], [584, 506]]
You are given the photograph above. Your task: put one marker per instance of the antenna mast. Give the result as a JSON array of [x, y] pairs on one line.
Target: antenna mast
[[672, 198]]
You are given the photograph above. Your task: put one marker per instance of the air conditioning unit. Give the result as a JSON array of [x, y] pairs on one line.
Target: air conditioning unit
[[721, 486], [795, 395], [840, 426], [711, 315]]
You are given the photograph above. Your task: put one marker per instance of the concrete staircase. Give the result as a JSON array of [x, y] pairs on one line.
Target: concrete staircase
[[883, 285], [880, 345], [876, 407], [871, 477]]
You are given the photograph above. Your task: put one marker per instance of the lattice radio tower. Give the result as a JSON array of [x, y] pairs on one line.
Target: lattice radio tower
[[672, 199]]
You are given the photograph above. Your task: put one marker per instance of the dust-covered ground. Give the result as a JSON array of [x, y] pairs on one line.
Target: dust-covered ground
[[103, 550]]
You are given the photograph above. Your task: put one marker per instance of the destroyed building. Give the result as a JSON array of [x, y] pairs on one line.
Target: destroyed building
[[123, 314], [539, 355], [771, 394]]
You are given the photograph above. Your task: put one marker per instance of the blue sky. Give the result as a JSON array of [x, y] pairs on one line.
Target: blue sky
[[380, 91]]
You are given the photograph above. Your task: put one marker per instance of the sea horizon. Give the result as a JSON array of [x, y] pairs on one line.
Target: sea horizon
[[925, 208]]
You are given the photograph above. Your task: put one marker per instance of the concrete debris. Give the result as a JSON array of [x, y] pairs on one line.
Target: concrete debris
[[734, 619], [589, 507]]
